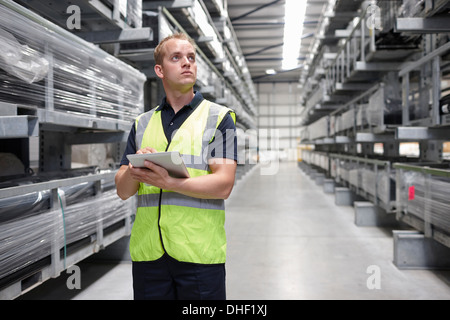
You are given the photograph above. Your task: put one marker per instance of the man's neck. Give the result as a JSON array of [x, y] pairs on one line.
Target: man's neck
[[178, 100]]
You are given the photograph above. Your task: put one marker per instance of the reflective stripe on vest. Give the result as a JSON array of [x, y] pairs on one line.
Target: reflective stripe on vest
[[188, 229], [177, 199]]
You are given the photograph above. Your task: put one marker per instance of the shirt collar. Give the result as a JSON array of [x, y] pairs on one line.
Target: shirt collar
[[198, 98]]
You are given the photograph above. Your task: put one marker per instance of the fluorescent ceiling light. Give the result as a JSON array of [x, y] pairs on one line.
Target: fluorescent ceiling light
[[293, 30], [270, 71]]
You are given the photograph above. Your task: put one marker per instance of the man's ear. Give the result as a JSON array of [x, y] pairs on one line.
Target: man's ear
[[159, 71]]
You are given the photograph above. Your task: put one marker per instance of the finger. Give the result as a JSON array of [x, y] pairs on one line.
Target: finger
[[145, 150], [150, 165], [149, 150], [155, 168]]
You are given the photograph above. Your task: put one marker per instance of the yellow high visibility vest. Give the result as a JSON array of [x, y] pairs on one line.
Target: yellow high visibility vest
[[188, 229]]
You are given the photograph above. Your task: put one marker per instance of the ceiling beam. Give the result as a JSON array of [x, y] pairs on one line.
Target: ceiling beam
[[255, 10]]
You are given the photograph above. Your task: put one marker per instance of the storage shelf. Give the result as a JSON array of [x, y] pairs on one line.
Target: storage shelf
[[373, 179], [422, 198], [72, 218], [80, 95], [384, 86], [97, 14]]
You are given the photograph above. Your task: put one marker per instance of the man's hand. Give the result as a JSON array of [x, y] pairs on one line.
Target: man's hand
[[217, 185], [152, 174], [126, 184], [146, 150]]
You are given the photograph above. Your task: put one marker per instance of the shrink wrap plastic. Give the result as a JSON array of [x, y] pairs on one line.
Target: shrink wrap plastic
[[26, 240], [426, 197], [46, 66], [29, 204], [371, 178], [379, 184], [134, 13], [20, 60], [385, 106], [319, 129]]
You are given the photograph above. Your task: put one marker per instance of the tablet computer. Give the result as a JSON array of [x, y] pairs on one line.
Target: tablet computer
[[171, 161]]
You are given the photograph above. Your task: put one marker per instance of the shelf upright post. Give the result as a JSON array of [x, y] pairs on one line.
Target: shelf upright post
[[405, 99], [436, 90]]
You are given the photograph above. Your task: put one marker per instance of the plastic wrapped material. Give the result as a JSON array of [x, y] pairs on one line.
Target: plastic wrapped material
[[385, 106], [426, 197], [319, 129], [28, 240], [306, 156], [134, 13], [32, 203], [379, 184], [23, 242], [24, 205], [354, 176], [336, 123], [388, 12], [333, 119], [345, 121], [318, 95], [304, 133], [45, 66], [361, 117], [198, 14], [203, 72], [324, 162], [333, 167], [20, 60], [412, 8], [344, 170], [320, 160]]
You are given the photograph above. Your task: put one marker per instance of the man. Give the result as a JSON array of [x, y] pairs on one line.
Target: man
[[178, 243]]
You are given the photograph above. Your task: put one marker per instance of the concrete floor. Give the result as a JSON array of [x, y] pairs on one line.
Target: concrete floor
[[286, 240]]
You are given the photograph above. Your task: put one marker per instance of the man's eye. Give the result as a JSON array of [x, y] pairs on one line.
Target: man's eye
[[175, 58], [192, 59]]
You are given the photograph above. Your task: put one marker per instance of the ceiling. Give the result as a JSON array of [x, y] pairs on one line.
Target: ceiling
[[259, 27]]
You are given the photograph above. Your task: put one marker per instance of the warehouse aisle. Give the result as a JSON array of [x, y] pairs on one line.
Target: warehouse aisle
[[286, 240]]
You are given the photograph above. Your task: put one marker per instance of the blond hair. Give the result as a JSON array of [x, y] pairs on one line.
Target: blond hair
[[159, 50]]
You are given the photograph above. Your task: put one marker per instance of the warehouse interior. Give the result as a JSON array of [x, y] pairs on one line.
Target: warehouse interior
[[342, 185]]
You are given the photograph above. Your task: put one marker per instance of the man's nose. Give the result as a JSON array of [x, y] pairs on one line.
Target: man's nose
[[186, 61]]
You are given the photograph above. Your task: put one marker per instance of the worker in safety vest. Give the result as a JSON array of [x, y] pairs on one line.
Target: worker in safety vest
[[178, 243]]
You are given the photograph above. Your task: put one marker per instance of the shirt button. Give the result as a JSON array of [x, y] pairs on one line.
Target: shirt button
[[171, 123]]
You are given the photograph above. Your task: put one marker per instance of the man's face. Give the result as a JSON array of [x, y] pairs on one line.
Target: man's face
[[179, 68]]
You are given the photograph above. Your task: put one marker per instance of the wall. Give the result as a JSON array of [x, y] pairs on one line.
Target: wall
[[278, 117]]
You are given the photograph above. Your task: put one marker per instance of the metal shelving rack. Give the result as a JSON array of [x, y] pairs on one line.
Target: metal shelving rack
[[385, 85], [106, 21], [422, 198], [53, 215], [40, 243]]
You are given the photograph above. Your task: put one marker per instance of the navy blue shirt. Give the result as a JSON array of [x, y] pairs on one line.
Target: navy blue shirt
[[172, 121]]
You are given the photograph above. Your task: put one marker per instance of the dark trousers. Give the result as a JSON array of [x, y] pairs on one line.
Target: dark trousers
[[169, 279]]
